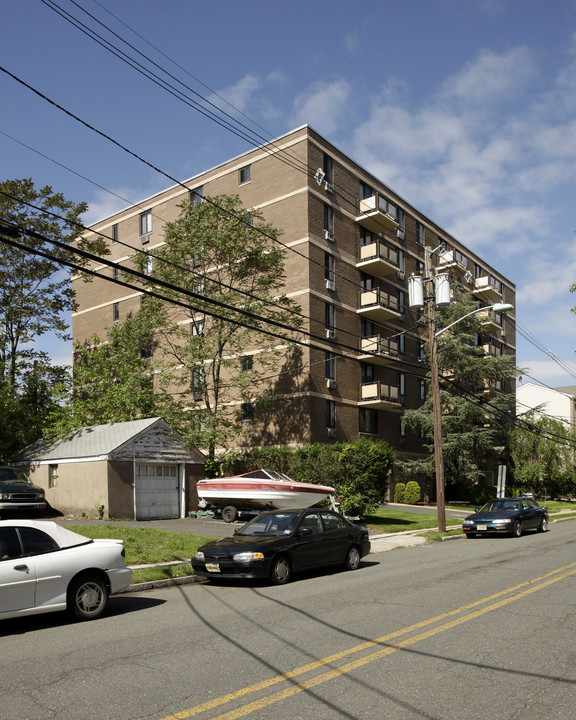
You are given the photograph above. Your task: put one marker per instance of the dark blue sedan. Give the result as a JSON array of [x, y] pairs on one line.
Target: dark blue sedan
[[508, 516]]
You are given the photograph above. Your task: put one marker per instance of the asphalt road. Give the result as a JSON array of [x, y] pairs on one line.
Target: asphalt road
[[463, 629]]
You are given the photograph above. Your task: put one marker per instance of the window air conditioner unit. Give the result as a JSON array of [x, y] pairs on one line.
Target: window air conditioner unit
[[329, 235], [330, 285], [331, 432], [330, 334], [145, 238], [330, 384], [329, 186]]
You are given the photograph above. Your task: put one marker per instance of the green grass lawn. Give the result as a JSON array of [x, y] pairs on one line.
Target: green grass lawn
[[385, 520]]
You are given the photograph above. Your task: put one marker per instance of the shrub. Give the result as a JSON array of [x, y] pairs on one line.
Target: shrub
[[400, 492], [412, 493]]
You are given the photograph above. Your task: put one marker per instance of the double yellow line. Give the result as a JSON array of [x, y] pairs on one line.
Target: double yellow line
[[465, 612]]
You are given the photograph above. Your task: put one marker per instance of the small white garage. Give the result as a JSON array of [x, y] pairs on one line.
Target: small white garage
[[134, 470]]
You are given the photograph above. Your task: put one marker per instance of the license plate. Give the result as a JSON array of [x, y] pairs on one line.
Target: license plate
[[481, 527], [212, 567]]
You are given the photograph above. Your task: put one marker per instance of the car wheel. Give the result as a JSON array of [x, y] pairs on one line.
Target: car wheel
[[352, 561], [470, 535], [229, 514], [87, 597], [543, 527], [517, 529], [281, 571]]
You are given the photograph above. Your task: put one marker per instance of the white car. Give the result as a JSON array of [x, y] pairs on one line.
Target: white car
[[45, 568]]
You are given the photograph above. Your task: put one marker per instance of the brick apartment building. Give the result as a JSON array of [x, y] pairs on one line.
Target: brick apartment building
[[357, 244]]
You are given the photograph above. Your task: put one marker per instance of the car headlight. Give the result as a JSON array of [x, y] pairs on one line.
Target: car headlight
[[501, 522], [469, 522], [199, 555], [248, 556], [4, 496]]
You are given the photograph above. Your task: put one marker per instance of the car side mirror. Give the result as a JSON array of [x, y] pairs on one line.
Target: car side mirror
[[305, 531]]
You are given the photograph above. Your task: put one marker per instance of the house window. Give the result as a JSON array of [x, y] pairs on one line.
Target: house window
[[197, 383], [247, 363], [330, 366], [195, 196], [244, 175], [329, 219], [116, 312], [52, 476], [247, 412], [115, 233], [330, 414], [422, 390], [368, 421], [329, 267], [145, 225], [197, 327], [149, 266]]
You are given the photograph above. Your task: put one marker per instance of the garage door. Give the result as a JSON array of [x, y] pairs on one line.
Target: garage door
[[157, 492]]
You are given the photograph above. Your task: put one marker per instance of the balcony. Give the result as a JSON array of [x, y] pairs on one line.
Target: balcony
[[383, 351], [493, 388], [380, 396], [454, 262], [377, 214], [378, 305], [485, 289], [491, 321], [378, 259]]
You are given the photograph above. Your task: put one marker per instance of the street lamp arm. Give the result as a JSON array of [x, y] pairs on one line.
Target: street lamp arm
[[497, 307]]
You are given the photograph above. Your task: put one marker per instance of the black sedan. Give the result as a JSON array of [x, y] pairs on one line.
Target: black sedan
[[510, 516], [281, 542]]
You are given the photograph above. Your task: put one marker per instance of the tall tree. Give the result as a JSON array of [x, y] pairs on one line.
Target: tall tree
[[35, 296], [476, 398]]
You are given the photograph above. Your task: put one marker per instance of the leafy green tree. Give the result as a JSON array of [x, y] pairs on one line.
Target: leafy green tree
[[543, 452], [477, 404], [224, 254], [35, 300]]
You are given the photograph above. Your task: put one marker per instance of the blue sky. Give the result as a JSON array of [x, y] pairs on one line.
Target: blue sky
[[467, 108]]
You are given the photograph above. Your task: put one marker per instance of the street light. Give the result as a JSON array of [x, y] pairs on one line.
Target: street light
[[438, 293]]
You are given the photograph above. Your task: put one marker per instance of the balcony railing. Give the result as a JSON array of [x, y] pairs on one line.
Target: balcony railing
[[378, 395], [378, 259], [378, 305], [379, 350], [490, 320], [377, 214], [451, 260], [485, 289]]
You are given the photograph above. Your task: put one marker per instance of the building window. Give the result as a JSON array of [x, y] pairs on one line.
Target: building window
[[329, 267], [401, 261], [400, 221], [402, 384], [366, 328], [401, 301], [328, 169], [402, 428], [368, 421], [115, 272], [149, 266], [52, 476], [197, 383], [330, 414], [116, 312], [329, 316], [115, 233], [421, 351], [365, 190], [195, 196], [366, 237], [147, 351], [329, 220], [247, 412], [247, 363], [366, 282], [402, 343], [197, 327], [145, 225], [422, 390], [330, 366], [244, 175], [367, 373], [420, 235]]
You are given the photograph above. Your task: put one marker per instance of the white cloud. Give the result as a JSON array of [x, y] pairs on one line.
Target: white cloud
[[323, 105], [240, 94]]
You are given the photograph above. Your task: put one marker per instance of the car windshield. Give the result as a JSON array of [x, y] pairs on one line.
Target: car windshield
[[274, 524], [12, 475], [501, 506]]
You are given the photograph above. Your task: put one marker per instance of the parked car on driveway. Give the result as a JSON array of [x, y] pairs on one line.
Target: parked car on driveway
[[510, 516], [278, 543], [18, 493], [45, 567]]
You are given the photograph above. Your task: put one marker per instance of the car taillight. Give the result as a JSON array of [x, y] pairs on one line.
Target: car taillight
[[123, 552]]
